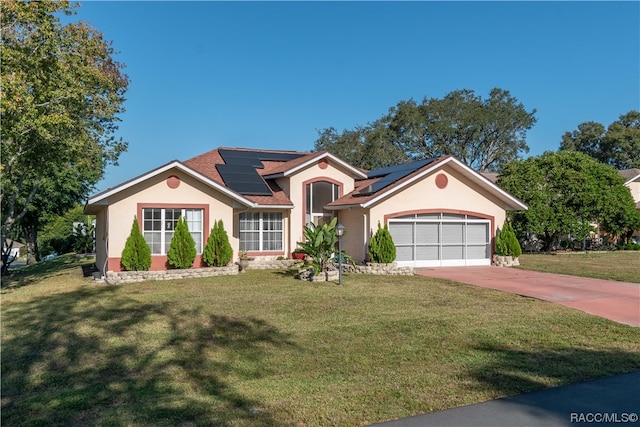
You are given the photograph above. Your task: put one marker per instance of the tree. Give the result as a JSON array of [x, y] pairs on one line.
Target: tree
[[564, 191], [369, 147], [136, 255], [217, 251], [61, 96], [381, 246], [618, 145], [58, 234], [182, 250], [484, 133]]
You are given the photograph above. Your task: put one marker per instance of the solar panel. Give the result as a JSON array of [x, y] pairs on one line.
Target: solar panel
[[391, 174], [239, 171]]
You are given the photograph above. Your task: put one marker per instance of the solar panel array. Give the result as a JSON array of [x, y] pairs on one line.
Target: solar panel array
[[239, 171], [391, 174]]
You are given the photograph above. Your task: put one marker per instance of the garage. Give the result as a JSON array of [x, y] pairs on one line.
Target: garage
[[441, 240]]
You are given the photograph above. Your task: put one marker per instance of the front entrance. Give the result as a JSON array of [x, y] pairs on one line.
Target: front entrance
[[441, 239]]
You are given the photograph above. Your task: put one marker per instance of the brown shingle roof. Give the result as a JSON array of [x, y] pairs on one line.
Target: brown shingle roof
[[273, 168], [206, 165], [628, 174]]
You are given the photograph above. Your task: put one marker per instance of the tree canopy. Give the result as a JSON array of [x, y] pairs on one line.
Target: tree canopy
[[566, 192], [62, 92], [483, 133], [618, 145]]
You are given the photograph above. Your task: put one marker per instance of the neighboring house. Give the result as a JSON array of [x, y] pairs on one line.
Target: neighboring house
[[440, 212], [16, 248], [632, 180]]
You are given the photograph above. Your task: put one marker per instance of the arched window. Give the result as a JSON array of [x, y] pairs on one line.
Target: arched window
[[319, 194]]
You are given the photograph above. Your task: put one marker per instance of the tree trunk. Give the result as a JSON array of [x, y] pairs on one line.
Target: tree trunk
[[31, 237]]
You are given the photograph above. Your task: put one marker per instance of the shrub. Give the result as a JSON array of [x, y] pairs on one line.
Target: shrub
[[136, 255], [319, 244], [381, 246], [629, 246], [507, 243], [218, 251], [182, 251]]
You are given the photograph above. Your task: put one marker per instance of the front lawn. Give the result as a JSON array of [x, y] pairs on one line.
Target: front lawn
[[619, 265], [264, 349]]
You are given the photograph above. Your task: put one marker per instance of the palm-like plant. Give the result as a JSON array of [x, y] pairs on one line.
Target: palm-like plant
[[319, 244]]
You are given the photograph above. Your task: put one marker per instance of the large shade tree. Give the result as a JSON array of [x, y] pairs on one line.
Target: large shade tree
[[565, 192], [618, 145], [62, 92], [483, 133]]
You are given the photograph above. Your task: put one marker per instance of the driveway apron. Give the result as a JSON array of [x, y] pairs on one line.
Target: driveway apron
[[617, 301]]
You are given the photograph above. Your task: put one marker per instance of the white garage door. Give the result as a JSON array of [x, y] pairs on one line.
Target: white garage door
[[434, 240]]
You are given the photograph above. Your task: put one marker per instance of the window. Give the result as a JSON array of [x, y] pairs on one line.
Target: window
[[159, 224], [261, 231], [319, 194]]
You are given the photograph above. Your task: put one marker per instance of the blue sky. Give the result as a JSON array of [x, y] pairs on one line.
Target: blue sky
[[271, 74]]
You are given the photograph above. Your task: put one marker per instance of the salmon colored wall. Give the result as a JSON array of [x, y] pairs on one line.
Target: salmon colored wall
[[156, 192], [316, 172], [459, 195], [634, 187]]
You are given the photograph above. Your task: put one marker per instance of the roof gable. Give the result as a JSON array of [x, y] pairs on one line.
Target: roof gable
[[103, 197], [294, 166], [364, 198]]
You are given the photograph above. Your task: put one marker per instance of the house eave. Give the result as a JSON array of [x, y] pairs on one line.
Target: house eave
[[635, 178], [511, 203], [357, 172], [103, 197]]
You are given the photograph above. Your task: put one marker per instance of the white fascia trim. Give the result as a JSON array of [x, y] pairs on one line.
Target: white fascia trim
[[460, 166], [632, 180], [181, 167], [313, 160]]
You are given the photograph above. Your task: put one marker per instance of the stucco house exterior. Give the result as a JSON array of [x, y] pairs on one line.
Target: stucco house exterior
[[632, 180], [440, 212]]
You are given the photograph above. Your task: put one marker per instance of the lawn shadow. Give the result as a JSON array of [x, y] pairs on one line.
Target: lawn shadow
[[512, 371], [93, 356], [31, 274]]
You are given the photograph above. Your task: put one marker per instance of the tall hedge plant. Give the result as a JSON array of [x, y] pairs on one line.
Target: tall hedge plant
[[507, 243], [217, 252], [182, 251], [381, 246], [136, 255]]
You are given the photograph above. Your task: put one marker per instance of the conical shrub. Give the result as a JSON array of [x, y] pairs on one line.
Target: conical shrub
[[136, 255], [182, 250], [381, 246], [217, 252]]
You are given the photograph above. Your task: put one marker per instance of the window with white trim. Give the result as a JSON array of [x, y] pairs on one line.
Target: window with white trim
[[319, 194], [158, 226], [261, 231]]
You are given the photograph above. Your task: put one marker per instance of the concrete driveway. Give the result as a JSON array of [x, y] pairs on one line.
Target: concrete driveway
[[617, 301]]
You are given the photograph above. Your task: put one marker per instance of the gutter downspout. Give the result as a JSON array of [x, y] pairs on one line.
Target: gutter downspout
[[364, 235], [106, 246]]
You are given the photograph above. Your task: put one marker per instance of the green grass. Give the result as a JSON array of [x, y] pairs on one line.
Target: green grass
[[264, 349], [619, 265]]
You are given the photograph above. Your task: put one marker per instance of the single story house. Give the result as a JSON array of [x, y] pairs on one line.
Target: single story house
[[632, 180], [439, 211]]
